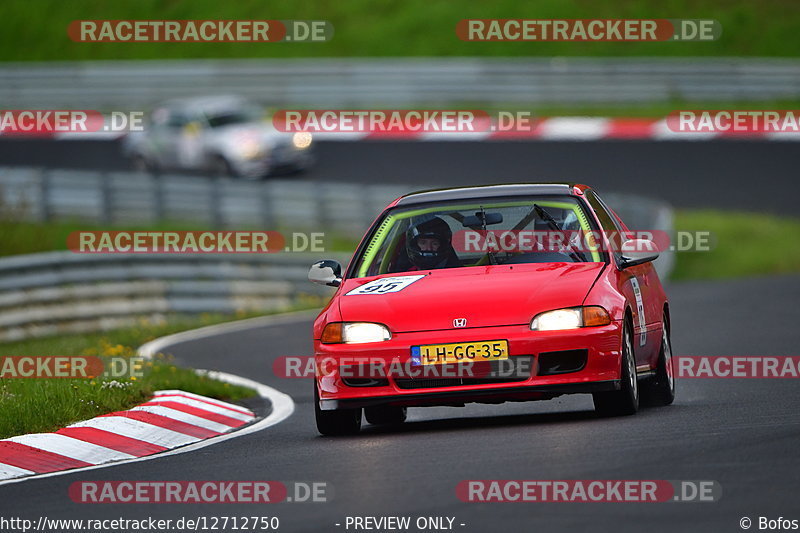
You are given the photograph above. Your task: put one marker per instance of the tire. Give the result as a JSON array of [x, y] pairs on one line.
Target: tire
[[338, 422], [660, 390], [218, 166], [140, 163], [624, 401], [385, 414]]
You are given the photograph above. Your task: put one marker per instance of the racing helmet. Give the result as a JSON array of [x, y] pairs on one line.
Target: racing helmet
[[432, 228]]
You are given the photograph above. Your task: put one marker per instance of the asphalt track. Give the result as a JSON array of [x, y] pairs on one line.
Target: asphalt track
[[746, 175], [742, 433]]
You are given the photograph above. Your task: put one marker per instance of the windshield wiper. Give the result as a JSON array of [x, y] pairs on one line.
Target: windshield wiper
[[547, 217], [492, 258]]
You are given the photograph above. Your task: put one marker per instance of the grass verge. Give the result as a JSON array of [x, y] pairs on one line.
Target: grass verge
[[37, 31], [742, 244], [41, 405], [23, 237]]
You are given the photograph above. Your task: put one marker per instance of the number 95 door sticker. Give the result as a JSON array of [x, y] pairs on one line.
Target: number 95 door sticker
[[385, 285]]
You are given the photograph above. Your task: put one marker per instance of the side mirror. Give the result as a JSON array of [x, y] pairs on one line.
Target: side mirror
[[638, 251], [326, 272]]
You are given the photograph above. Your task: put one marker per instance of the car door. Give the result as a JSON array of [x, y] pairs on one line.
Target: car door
[[634, 283], [654, 302], [165, 132]]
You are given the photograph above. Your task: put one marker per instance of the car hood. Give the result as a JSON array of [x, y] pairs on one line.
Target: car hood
[[485, 296]]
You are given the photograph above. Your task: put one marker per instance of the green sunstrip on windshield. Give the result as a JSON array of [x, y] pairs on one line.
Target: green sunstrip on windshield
[[380, 235]]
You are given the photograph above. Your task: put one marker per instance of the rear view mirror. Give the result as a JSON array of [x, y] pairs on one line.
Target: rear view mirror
[[475, 220], [326, 272], [638, 251]]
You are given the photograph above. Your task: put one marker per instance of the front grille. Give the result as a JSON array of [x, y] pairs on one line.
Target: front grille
[[408, 383], [512, 370]]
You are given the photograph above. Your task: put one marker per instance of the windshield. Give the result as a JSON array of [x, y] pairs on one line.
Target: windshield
[[232, 116], [549, 229]]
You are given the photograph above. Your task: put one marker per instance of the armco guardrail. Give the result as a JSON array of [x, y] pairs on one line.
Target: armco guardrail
[[131, 198], [58, 292], [400, 81], [62, 292], [341, 208]]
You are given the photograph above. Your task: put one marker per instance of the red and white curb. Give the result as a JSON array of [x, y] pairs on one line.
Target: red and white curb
[[566, 129], [545, 129], [172, 418], [171, 423]]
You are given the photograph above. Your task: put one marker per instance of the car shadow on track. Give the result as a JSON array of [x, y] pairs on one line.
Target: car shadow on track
[[475, 422], [510, 420]]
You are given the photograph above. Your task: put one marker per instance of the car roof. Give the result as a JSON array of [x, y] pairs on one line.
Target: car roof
[[488, 191], [207, 103]]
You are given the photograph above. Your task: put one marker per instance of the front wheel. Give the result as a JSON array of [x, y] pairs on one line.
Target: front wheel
[[140, 163], [338, 422], [660, 390], [624, 401]]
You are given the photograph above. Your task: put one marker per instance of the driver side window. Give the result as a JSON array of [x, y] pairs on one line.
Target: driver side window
[[608, 223]]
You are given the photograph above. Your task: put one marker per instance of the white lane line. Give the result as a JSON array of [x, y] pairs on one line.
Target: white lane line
[[136, 429], [202, 405], [181, 416], [8, 471], [72, 448]]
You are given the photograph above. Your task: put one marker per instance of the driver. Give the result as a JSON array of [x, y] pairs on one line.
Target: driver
[[429, 245]]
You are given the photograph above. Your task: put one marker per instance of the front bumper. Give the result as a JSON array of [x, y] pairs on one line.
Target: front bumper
[[600, 372]]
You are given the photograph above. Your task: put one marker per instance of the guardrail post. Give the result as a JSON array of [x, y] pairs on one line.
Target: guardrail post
[[158, 196], [215, 199], [368, 206], [44, 195], [324, 218], [268, 217], [107, 206]]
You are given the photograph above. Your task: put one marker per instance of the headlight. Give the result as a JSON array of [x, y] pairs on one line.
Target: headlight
[[572, 318], [301, 139], [354, 333], [250, 148]]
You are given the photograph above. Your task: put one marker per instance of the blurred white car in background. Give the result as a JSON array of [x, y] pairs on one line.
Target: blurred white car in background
[[219, 135]]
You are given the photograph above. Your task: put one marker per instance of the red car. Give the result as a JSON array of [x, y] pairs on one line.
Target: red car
[[489, 294]]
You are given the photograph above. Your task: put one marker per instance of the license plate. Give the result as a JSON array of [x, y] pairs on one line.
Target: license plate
[[459, 352]]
